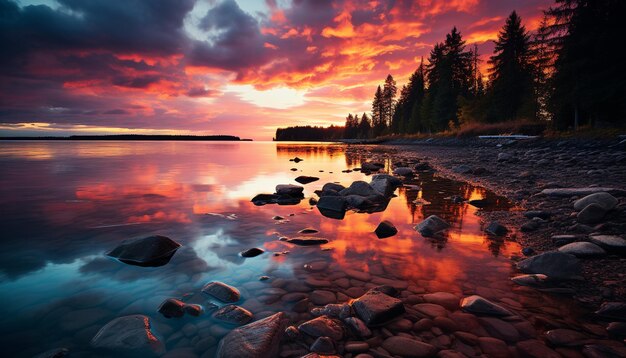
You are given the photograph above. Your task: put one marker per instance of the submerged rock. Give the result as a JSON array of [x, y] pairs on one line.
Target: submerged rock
[[385, 229], [480, 305], [255, 251], [263, 199], [323, 327], [554, 264], [172, 307], [303, 179], [258, 339], [375, 307], [152, 251], [582, 249], [233, 314], [496, 229], [307, 241], [222, 291], [431, 225], [130, 334]]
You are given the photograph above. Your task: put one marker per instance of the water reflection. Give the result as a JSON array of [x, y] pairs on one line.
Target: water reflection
[[66, 203]]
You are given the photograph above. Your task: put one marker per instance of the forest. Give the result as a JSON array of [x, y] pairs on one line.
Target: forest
[[565, 75]]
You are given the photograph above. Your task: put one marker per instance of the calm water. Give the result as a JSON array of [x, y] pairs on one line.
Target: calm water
[[64, 204]]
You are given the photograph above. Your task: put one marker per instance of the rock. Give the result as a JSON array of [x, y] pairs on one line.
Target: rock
[[479, 203], [479, 305], [617, 329], [263, 199], [462, 169], [499, 329], [553, 264], [445, 299], [356, 347], [503, 157], [407, 347], [359, 188], [601, 351], [528, 251], [371, 167], [233, 314], [560, 240], [332, 206], [613, 310], [496, 229], [534, 348], [333, 187], [289, 189], [493, 347], [386, 289], [222, 291], [532, 280], [431, 310], [545, 215], [255, 251], [385, 229], [278, 217], [307, 241], [323, 345], [333, 310], [54, 353], [529, 226], [296, 160], [303, 179], [323, 327], [605, 200], [565, 337], [431, 225], [172, 307], [609, 242], [129, 333], [322, 297], [196, 310], [152, 251], [568, 192], [403, 171], [385, 184], [582, 249], [308, 231], [258, 339], [591, 214], [358, 327], [376, 308]]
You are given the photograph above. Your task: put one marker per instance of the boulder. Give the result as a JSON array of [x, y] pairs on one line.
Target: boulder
[[222, 291], [332, 206], [255, 251], [496, 229], [289, 189], [565, 337], [303, 179], [385, 229], [233, 314], [554, 264], [482, 306], [333, 186], [358, 327], [409, 348], [376, 308], [323, 327], [591, 214], [263, 199], [129, 334], [431, 225], [385, 184], [258, 339], [582, 249], [152, 251], [359, 188], [605, 200]]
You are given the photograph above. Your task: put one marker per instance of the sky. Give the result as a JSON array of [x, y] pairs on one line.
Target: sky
[[238, 67]]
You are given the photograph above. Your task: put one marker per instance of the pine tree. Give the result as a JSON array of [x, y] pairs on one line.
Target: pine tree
[[378, 113], [389, 100], [512, 92], [349, 127], [365, 127]]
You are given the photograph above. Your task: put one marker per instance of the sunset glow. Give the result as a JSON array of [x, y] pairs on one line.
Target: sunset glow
[[239, 67]]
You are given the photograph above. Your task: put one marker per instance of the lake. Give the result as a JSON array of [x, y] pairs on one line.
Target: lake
[[65, 204]]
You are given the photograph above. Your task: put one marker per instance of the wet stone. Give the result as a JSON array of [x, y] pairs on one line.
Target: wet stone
[[254, 340], [172, 308], [152, 251], [255, 251], [431, 310], [323, 327], [500, 329], [554, 264], [479, 305], [358, 327], [496, 229], [376, 308], [532, 280], [233, 314], [407, 347], [322, 297], [445, 299], [289, 189], [385, 229], [334, 310], [610, 243], [323, 345], [493, 347], [222, 292], [54, 353], [356, 347], [431, 225], [591, 214], [130, 334], [307, 241], [303, 179], [582, 249], [535, 349]]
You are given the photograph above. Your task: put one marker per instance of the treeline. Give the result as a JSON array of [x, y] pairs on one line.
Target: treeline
[[567, 74], [131, 137], [309, 133]]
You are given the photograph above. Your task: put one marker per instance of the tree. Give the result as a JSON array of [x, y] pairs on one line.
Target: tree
[[365, 127], [350, 130], [389, 100], [512, 94], [378, 113]]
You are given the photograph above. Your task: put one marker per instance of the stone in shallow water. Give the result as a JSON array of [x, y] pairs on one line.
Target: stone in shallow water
[[431, 310], [308, 231], [307, 241], [496, 229], [258, 339], [255, 251], [445, 299], [385, 229], [172, 307], [323, 327], [222, 291], [130, 334], [332, 206], [605, 200], [303, 179], [407, 347], [233, 314], [322, 297], [554, 264], [289, 189], [375, 308], [582, 249], [152, 251], [500, 329], [431, 225], [480, 305], [385, 184], [532, 280]]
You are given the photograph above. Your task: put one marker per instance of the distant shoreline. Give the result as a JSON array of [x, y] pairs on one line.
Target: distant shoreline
[[131, 137]]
